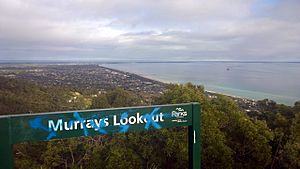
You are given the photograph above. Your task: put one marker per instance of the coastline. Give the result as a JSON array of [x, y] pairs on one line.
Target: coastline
[[247, 104], [256, 81], [102, 78]]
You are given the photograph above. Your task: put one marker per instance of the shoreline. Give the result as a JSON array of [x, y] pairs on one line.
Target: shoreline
[[101, 78], [247, 93], [246, 104]]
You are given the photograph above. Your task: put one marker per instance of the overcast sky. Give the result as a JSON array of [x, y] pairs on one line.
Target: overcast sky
[[150, 30]]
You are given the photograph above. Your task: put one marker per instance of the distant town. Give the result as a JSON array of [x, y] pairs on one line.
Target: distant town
[[98, 79]]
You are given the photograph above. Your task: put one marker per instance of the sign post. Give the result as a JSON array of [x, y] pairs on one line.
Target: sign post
[[16, 129]]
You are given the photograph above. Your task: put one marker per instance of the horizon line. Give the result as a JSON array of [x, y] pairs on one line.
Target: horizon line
[[140, 61]]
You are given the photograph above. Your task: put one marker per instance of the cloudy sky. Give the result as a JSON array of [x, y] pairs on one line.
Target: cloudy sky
[[150, 30]]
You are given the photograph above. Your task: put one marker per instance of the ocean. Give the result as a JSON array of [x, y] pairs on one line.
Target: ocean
[[278, 81]]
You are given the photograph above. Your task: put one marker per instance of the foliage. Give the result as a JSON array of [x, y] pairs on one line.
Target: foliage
[[231, 138], [115, 98], [19, 96], [292, 147]]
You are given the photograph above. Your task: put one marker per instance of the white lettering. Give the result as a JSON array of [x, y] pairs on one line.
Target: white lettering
[[59, 125], [124, 121], [76, 125], [161, 117], [96, 124], [68, 126], [115, 121], [139, 118], [88, 124], [132, 120]]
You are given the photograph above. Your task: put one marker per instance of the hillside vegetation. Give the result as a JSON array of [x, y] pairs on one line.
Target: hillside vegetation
[[231, 138]]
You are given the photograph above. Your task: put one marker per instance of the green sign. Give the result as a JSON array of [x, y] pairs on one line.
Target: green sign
[[60, 125]]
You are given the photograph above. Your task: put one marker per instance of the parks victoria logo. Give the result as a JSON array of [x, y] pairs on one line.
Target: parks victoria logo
[[179, 114]]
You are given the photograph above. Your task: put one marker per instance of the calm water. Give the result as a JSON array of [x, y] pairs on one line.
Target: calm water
[[276, 81]]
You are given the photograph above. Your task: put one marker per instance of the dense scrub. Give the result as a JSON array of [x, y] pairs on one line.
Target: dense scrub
[[231, 138]]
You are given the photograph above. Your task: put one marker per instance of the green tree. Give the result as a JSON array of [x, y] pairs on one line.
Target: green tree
[[297, 107], [116, 98], [230, 139], [215, 153], [100, 102], [28, 155], [69, 153], [292, 148]]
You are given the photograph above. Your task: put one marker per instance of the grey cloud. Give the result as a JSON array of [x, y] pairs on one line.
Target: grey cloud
[[135, 29]]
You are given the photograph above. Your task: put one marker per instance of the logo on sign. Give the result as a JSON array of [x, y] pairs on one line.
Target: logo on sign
[[179, 114]]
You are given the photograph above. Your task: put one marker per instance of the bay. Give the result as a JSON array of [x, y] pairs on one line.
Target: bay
[[278, 81]]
